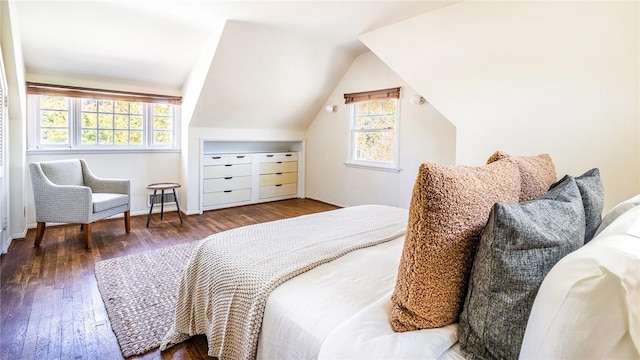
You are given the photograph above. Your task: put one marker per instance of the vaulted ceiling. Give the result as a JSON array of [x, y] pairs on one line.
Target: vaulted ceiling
[[272, 65]]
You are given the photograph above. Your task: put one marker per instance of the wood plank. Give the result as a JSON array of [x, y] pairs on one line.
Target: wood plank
[[50, 306]]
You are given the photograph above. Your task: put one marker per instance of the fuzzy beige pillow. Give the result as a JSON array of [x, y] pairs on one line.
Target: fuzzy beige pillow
[[449, 207], [537, 173]]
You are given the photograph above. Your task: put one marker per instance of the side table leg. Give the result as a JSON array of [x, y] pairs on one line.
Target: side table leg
[[177, 205], [162, 205], [153, 200]]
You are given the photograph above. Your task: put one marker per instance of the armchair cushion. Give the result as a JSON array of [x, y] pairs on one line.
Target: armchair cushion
[[63, 172], [106, 201]]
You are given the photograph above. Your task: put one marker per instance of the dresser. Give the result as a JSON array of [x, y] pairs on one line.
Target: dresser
[[247, 178]]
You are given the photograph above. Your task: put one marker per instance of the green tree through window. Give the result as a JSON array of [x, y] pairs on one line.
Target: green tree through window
[[374, 132], [69, 122]]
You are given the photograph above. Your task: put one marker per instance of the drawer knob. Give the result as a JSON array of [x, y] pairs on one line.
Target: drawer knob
[[278, 173], [269, 155], [278, 184], [229, 178], [228, 191], [279, 162], [288, 155], [240, 156], [216, 157], [228, 165]]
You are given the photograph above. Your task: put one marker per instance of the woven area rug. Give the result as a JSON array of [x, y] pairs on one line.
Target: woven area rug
[[139, 292]]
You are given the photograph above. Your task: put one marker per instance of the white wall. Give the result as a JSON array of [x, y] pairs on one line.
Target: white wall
[[141, 168], [530, 77], [425, 136], [15, 72]]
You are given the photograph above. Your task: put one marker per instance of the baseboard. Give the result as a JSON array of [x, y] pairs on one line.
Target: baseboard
[[327, 202], [21, 235], [156, 210]]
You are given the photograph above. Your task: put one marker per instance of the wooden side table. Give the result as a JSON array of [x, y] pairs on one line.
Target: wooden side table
[[162, 187]]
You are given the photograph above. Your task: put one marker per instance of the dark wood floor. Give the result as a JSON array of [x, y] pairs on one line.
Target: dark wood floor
[[50, 307]]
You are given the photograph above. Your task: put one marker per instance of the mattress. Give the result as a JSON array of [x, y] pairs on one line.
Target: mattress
[[331, 301]]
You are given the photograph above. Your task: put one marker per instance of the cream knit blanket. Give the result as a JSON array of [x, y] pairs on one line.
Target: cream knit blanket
[[230, 275]]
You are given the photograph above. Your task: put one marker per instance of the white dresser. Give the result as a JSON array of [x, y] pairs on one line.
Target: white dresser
[[247, 178]]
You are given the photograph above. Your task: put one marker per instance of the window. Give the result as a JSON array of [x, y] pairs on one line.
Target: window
[[65, 118], [374, 129]]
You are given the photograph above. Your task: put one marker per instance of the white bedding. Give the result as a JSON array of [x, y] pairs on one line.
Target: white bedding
[[329, 309], [231, 274]]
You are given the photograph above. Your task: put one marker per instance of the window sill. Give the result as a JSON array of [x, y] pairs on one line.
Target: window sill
[[371, 167], [98, 151]]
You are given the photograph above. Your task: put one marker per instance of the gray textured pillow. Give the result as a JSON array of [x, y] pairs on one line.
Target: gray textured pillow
[[592, 193], [518, 247]]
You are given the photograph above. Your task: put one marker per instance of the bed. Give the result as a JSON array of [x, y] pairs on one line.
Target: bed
[[341, 305]]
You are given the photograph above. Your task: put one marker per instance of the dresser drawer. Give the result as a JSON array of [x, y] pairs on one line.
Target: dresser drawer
[[278, 190], [226, 183], [278, 178], [218, 171], [225, 159], [278, 167], [224, 197], [275, 157]]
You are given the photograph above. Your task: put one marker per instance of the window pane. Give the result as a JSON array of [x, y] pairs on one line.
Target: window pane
[[106, 121], [362, 108], [162, 137], [54, 102], [89, 137], [389, 107], [89, 120], [135, 137], [122, 121], [136, 122], [54, 136], [162, 109], [122, 107], [105, 106], [121, 137], [376, 107], [161, 123], [53, 118], [374, 146], [89, 105], [136, 108], [105, 137], [363, 122]]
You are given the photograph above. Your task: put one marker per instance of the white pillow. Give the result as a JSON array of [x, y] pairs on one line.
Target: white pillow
[[588, 306], [617, 211]]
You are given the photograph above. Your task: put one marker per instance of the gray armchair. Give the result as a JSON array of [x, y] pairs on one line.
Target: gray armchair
[[66, 191]]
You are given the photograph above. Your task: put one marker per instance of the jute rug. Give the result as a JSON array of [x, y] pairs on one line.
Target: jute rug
[[139, 292]]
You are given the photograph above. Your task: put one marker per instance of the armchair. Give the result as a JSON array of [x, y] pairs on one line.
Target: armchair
[[66, 191]]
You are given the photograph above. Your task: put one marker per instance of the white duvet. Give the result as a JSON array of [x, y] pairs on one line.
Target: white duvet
[[340, 310]]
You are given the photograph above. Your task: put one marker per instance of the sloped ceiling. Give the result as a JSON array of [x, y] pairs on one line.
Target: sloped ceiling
[[265, 77], [275, 63]]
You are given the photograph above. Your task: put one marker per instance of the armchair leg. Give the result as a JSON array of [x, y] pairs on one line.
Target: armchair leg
[[87, 235], [39, 233], [127, 221]]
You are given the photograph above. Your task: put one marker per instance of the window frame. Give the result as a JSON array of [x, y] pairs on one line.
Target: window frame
[[75, 129], [393, 166]]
